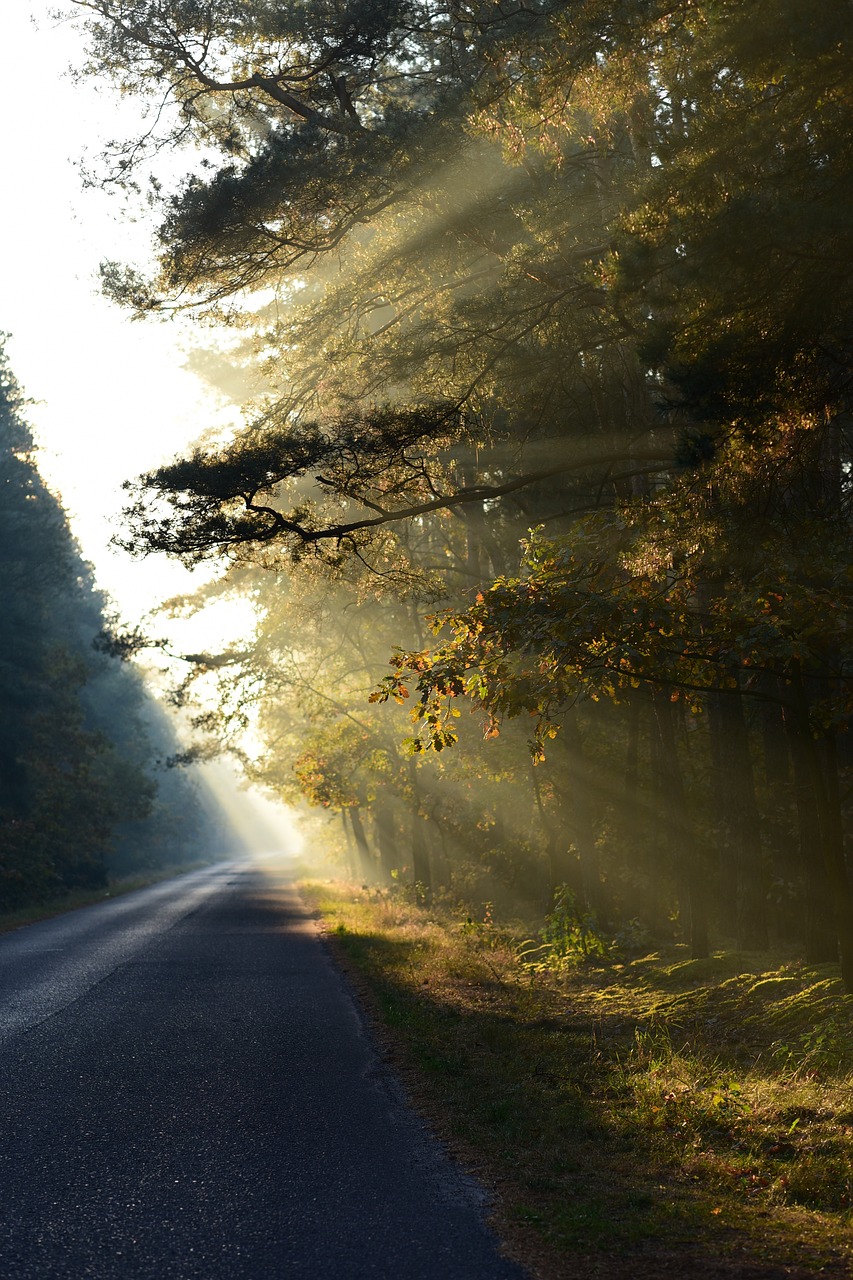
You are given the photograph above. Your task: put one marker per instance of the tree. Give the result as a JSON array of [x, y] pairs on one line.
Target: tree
[[584, 269], [77, 768]]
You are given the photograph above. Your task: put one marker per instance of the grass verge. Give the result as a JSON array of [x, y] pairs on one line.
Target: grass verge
[[640, 1117], [62, 903]]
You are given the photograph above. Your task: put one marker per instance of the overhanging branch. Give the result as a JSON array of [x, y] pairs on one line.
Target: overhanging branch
[[201, 525]]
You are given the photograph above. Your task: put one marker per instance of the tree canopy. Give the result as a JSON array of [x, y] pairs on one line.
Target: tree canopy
[[582, 270], [83, 790]]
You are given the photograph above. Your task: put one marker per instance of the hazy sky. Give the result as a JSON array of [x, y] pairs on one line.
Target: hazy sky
[[112, 396]]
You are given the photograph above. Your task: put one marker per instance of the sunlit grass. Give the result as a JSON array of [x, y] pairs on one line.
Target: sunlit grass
[[621, 1106]]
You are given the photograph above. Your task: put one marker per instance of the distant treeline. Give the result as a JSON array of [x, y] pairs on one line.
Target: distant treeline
[[84, 791]]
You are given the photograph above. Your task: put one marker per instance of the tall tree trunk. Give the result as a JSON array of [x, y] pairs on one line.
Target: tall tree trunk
[[366, 863], [742, 817], [819, 933], [821, 763], [385, 840], [689, 865], [562, 866], [421, 869], [352, 852], [581, 825], [651, 905], [783, 845], [837, 873], [441, 863], [632, 756], [724, 870]]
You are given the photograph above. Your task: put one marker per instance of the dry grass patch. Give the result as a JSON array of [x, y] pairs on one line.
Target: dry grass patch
[[645, 1117]]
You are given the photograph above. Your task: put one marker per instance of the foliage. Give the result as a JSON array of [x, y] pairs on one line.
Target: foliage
[[79, 797], [584, 271], [567, 937]]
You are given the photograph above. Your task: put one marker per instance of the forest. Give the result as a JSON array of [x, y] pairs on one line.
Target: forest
[[543, 494], [87, 796]]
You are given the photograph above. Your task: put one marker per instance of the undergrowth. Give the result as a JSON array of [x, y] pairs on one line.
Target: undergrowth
[[60, 904], [624, 1102]]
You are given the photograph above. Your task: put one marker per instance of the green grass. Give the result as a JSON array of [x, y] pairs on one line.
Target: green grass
[[624, 1108]]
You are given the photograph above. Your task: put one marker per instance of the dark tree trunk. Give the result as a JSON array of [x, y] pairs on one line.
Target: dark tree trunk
[[820, 761], [591, 896], [632, 757], [740, 809], [650, 905], [683, 842], [664, 845], [837, 873], [385, 840], [777, 759], [818, 926], [366, 865], [441, 860], [562, 864], [724, 871], [827, 865], [421, 869], [473, 543], [782, 838], [352, 852]]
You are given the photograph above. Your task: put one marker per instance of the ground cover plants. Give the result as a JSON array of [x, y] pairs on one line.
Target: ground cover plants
[[636, 1112]]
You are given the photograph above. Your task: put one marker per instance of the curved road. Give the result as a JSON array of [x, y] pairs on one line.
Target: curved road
[[188, 1090]]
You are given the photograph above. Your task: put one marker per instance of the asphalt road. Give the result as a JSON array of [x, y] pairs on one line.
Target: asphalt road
[[187, 1089]]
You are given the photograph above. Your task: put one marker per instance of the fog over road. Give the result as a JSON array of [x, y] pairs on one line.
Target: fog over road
[[188, 1090]]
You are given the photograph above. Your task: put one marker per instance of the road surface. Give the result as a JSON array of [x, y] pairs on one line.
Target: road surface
[[188, 1090]]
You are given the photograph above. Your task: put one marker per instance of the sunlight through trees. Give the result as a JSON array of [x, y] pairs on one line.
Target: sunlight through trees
[[547, 309]]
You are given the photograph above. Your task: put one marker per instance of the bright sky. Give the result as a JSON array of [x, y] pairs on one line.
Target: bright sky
[[112, 398]]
